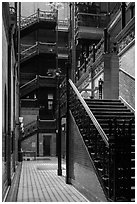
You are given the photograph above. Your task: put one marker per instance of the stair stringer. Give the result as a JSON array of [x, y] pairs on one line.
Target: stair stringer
[[82, 170]]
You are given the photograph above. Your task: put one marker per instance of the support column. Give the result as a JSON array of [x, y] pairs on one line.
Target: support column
[[67, 130], [73, 68], [123, 10], [9, 111], [59, 129], [111, 76], [37, 136]]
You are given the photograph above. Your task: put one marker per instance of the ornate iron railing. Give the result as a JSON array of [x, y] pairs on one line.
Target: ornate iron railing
[[99, 48], [63, 23], [38, 16], [29, 103], [30, 128], [38, 47], [91, 20], [110, 153]]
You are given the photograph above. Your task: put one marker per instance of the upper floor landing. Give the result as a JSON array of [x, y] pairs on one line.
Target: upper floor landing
[[40, 19]]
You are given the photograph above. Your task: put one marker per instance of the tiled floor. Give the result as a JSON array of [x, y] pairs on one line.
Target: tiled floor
[[39, 183]]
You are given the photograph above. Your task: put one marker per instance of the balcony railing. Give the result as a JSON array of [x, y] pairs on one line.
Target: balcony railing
[[62, 50], [38, 16], [91, 20], [39, 47], [63, 24], [33, 103], [99, 48]]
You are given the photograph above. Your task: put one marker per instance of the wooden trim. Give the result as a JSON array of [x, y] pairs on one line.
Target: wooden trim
[[95, 122]]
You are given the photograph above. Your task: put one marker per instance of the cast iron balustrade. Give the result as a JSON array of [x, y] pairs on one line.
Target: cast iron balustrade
[[38, 81], [93, 135], [30, 129], [37, 17], [33, 103], [63, 24], [91, 20], [63, 97], [63, 50], [99, 48], [112, 151], [120, 177], [39, 47], [40, 126]]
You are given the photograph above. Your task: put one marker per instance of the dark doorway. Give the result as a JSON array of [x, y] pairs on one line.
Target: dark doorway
[[46, 145]]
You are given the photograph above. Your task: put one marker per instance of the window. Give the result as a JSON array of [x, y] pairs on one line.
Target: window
[[50, 104], [50, 101]]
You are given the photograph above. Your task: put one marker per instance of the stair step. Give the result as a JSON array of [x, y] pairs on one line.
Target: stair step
[[109, 106], [128, 116], [112, 113], [107, 109], [104, 111], [103, 100]]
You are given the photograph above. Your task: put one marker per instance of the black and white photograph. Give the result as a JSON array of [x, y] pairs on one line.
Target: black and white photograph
[[68, 101]]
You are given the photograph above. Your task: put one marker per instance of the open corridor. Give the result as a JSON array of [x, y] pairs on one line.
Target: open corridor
[[39, 183]]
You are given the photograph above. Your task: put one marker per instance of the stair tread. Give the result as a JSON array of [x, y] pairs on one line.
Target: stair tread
[[104, 111]]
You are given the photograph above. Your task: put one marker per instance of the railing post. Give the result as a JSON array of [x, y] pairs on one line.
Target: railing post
[[59, 128], [37, 136], [123, 9], [38, 12], [94, 50], [105, 40], [100, 88], [67, 128], [114, 160]]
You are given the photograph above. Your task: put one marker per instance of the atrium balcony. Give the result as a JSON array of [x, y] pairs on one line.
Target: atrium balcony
[[40, 19], [90, 26], [28, 51]]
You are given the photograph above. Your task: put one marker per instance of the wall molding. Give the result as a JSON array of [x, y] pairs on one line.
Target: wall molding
[[127, 104], [120, 69]]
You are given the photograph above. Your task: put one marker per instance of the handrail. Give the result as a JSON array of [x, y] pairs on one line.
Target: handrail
[[29, 48], [91, 14], [95, 122], [32, 122], [29, 82], [127, 104]]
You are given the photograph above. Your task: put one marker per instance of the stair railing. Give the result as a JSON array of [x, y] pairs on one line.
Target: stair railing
[[39, 15], [30, 51], [30, 128], [33, 80], [95, 122], [93, 135], [111, 156], [37, 48]]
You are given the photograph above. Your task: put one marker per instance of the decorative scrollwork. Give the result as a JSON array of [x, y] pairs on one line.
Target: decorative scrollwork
[[125, 41]]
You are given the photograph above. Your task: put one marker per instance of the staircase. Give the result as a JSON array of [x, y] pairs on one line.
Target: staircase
[[40, 18], [36, 49], [38, 81], [108, 131], [108, 110], [39, 126]]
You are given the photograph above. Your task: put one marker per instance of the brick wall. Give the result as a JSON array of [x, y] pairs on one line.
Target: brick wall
[[82, 172], [127, 88], [30, 144], [111, 76]]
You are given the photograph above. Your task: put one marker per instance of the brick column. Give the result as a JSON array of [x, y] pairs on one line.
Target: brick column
[[111, 76]]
